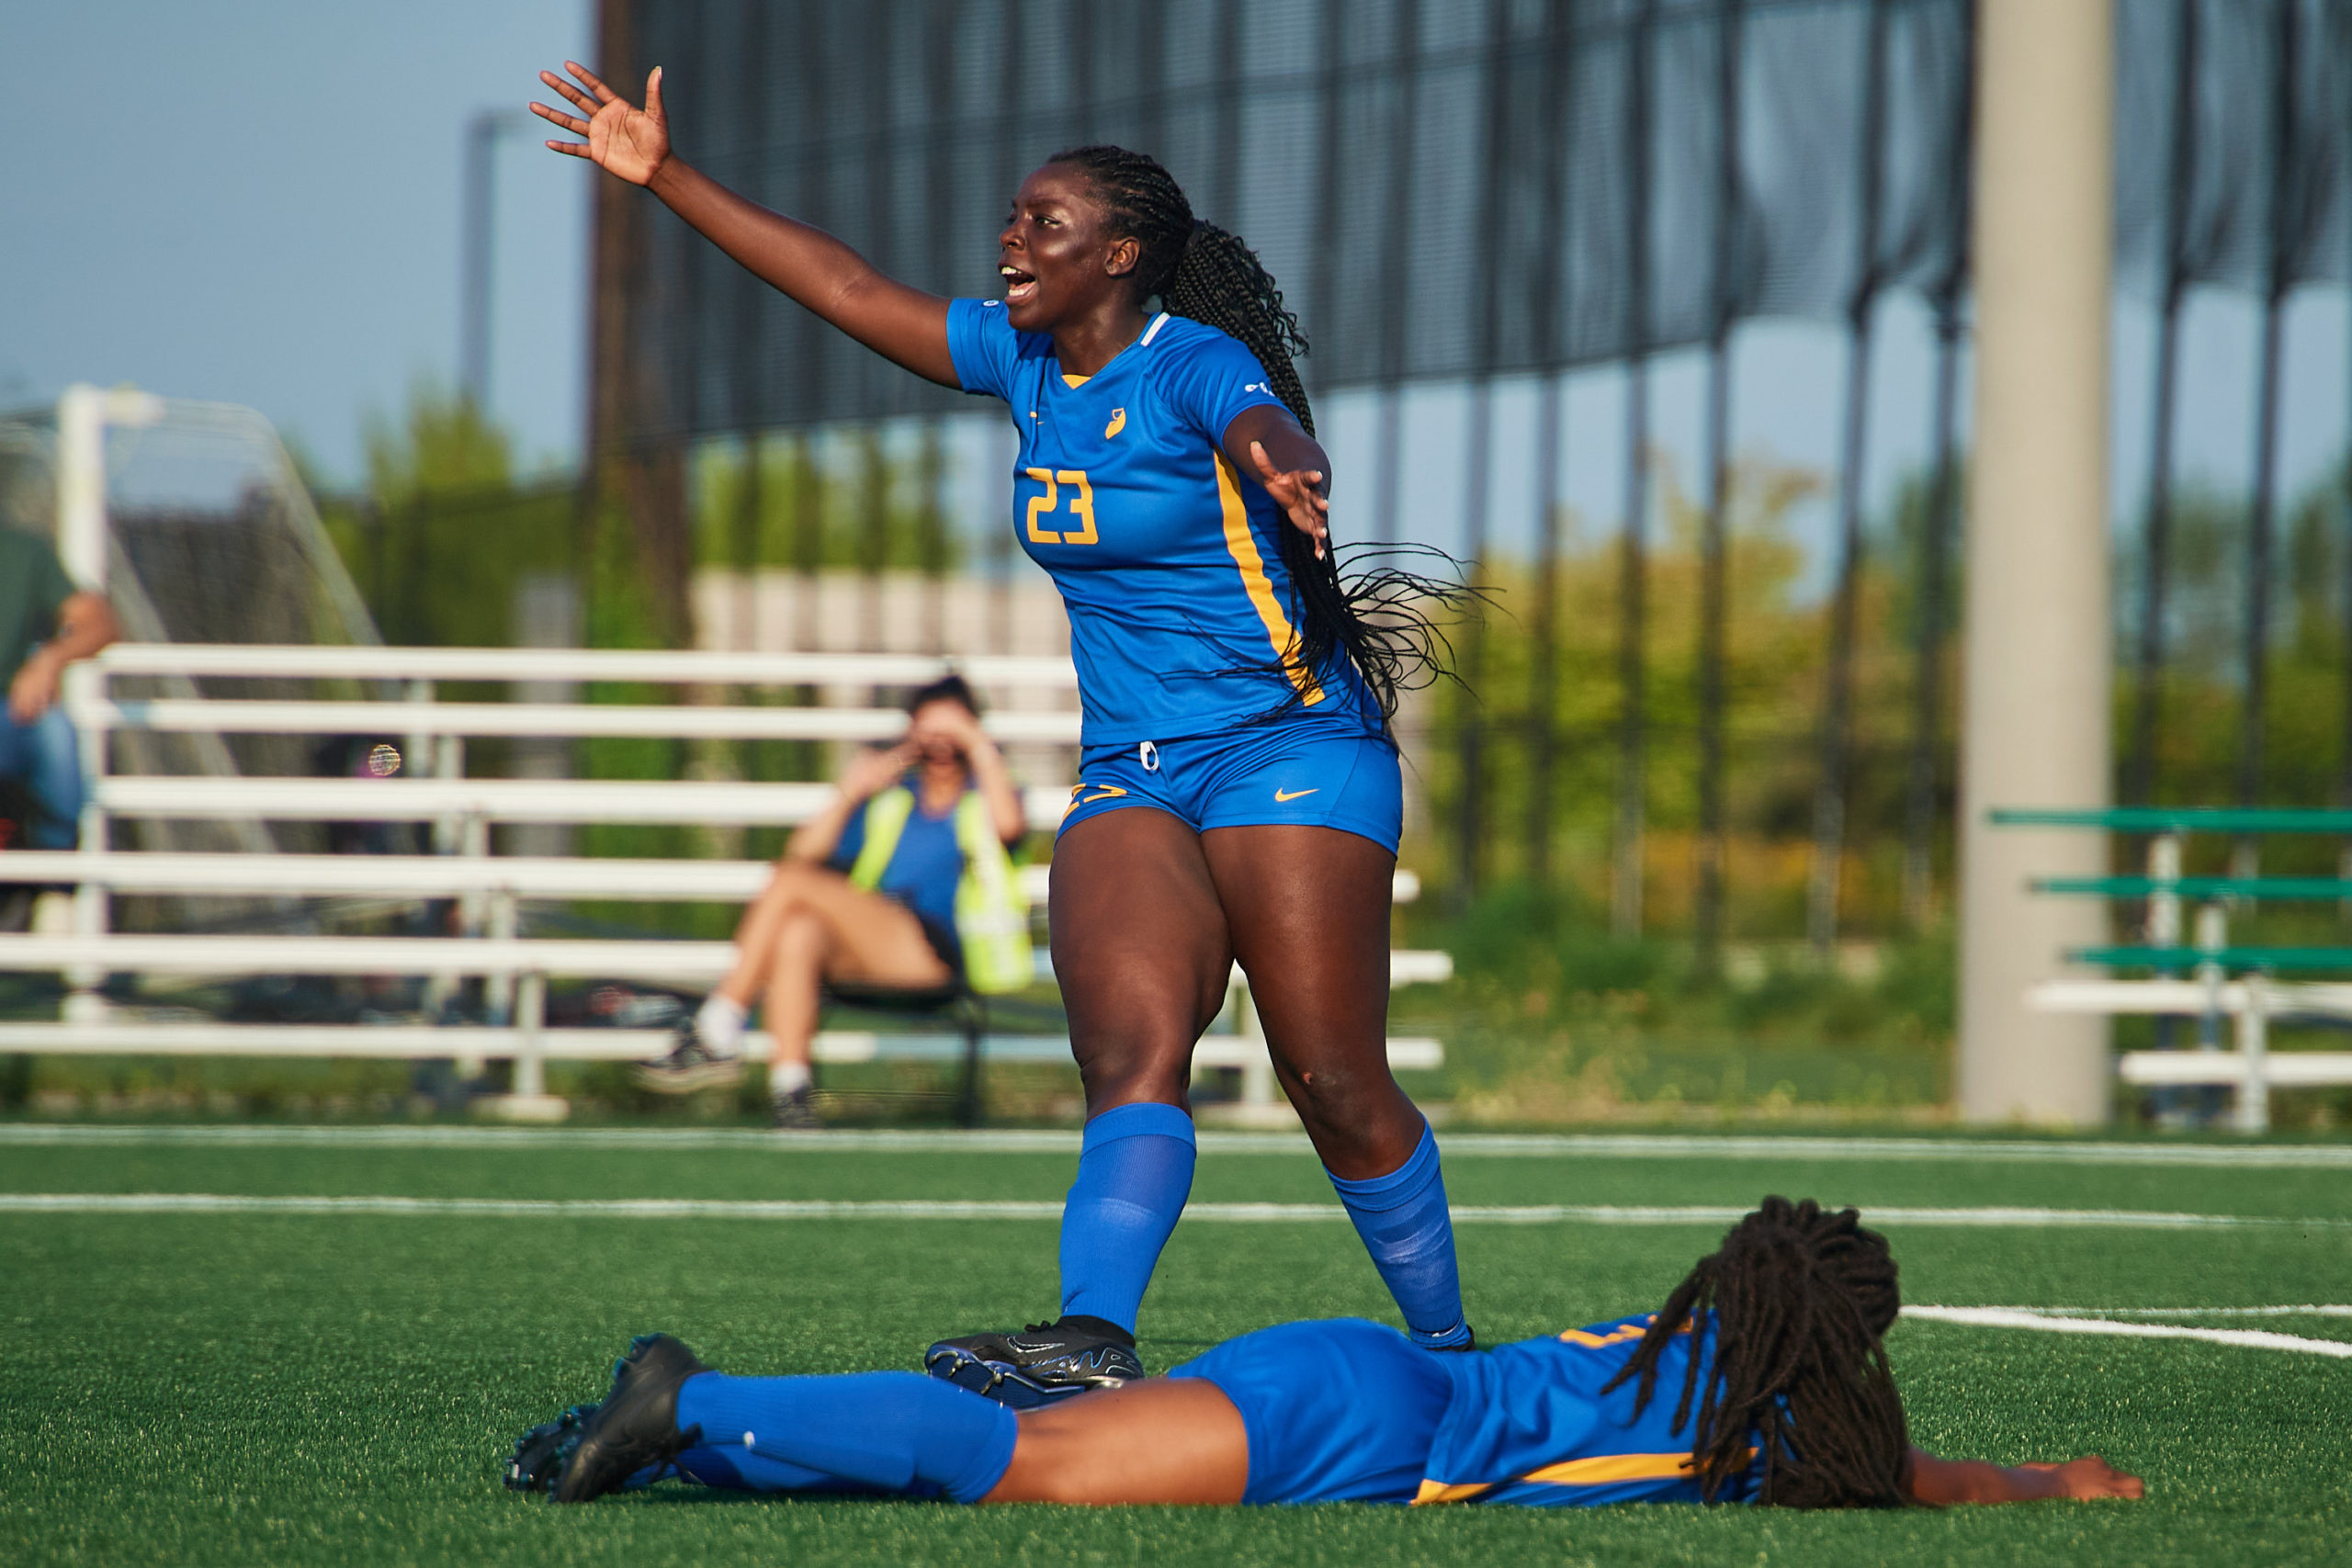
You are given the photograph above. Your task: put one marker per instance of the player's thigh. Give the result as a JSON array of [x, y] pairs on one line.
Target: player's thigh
[[1139, 949], [1308, 910], [870, 937], [1155, 1442]]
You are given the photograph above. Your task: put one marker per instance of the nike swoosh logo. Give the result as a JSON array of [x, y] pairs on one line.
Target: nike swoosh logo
[[1293, 795]]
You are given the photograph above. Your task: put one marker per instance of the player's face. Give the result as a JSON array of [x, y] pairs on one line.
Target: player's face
[[1055, 256]]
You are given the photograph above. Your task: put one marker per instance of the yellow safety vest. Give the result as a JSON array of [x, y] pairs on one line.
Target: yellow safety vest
[[992, 916]]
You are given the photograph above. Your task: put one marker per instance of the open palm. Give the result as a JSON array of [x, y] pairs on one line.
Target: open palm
[[626, 141]]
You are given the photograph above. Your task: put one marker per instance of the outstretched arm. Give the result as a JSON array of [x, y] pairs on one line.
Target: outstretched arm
[[1940, 1481], [904, 325], [1270, 445]]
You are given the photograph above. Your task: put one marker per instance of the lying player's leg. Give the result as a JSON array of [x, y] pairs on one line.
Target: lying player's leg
[[1139, 949], [1762, 1379]]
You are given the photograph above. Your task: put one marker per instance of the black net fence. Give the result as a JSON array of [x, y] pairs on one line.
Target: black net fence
[[1463, 190], [1443, 188], [1455, 188]]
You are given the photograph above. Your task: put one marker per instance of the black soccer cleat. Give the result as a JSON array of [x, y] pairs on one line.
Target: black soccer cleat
[[1043, 1363], [690, 1066], [636, 1427], [539, 1453]]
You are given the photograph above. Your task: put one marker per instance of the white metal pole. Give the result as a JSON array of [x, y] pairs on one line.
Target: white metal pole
[[2036, 695], [83, 412]]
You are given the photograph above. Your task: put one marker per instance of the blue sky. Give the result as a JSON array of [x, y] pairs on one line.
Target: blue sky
[[257, 201]]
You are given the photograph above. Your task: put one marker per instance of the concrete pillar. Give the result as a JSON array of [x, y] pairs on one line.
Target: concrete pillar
[[2036, 687]]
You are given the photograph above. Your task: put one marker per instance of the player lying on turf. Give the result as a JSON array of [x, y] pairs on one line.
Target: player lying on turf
[[1773, 1344]]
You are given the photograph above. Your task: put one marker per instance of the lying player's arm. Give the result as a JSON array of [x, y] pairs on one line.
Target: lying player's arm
[[902, 324], [1268, 443], [1942, 1481]]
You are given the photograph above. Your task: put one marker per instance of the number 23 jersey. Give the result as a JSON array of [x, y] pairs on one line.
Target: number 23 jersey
[[1167, 558]]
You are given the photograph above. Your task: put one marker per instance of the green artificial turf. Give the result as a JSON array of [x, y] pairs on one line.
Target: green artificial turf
[[341, 1388]]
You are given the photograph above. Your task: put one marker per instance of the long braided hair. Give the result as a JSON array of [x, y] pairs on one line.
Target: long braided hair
[[1206, 274], [1802, 1299]]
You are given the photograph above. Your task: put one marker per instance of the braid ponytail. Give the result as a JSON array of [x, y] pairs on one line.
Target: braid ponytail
[[1207, 274], [1802, 1299]]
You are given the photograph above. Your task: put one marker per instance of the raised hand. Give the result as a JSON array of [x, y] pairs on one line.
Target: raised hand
[[1299, 493], [625, 139], [870, 772]]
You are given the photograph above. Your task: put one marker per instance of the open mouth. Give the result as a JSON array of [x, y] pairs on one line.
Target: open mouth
[[1020, 287]]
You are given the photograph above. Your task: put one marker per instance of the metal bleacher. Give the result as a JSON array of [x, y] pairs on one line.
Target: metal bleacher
[[490, 890], [2200, 974]]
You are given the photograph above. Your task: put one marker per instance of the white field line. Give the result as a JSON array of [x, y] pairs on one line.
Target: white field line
[[1458, 1146], [2046, 1322], [2333, 1310], [1023, 1209]]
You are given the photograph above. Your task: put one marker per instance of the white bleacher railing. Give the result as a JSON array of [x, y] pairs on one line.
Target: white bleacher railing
[[489, 888]]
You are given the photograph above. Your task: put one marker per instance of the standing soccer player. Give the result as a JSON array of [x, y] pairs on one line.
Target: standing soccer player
[[1239, 794]]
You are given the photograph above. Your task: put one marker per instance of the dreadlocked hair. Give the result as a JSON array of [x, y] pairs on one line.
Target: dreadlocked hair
[[1802, 1299], [1378, 616]]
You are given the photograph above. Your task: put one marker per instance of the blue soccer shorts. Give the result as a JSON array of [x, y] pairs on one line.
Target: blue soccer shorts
[[1314, 774], [1338, 1410]]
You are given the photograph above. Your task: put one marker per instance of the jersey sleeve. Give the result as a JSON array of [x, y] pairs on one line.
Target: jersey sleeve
[[1211, 381], [983, 345], [852, 839]]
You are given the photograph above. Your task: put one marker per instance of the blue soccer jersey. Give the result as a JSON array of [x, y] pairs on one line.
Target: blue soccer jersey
[[1529, 1424], [1168, 559]]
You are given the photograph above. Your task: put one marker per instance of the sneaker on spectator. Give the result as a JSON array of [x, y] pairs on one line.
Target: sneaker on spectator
[[794, 1112], [690, 1066]]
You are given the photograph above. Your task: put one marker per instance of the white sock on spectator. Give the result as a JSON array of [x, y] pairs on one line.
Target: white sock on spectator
[[788, 1079], [719, 1024]]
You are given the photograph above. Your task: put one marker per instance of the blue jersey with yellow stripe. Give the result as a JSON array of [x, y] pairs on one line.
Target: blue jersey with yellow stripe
[[1529, 1424], [1168, 559]]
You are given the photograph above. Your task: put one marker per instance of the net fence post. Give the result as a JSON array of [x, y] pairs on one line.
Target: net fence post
[[1470, 815], [1833, 784], [2155, 566], [1927, 646], [1708, 906], [1543, 719], [2278, 278], [1626, 847]]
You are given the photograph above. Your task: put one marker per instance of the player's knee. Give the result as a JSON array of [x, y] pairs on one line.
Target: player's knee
[[803, 935], [1349, 1103], [1124, 1075]]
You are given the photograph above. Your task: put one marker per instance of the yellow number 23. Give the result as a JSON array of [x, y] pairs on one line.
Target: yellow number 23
[[1082, 507]]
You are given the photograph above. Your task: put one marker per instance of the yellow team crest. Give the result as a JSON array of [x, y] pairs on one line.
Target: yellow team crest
[[1118, 423]]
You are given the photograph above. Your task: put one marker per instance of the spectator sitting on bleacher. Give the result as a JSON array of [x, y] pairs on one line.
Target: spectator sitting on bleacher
[[902, 883], [45, 624]]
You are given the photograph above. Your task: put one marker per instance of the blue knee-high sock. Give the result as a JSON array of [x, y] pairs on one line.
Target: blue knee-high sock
[[1405, 1227], [1135, 1171], [898, 1432]]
